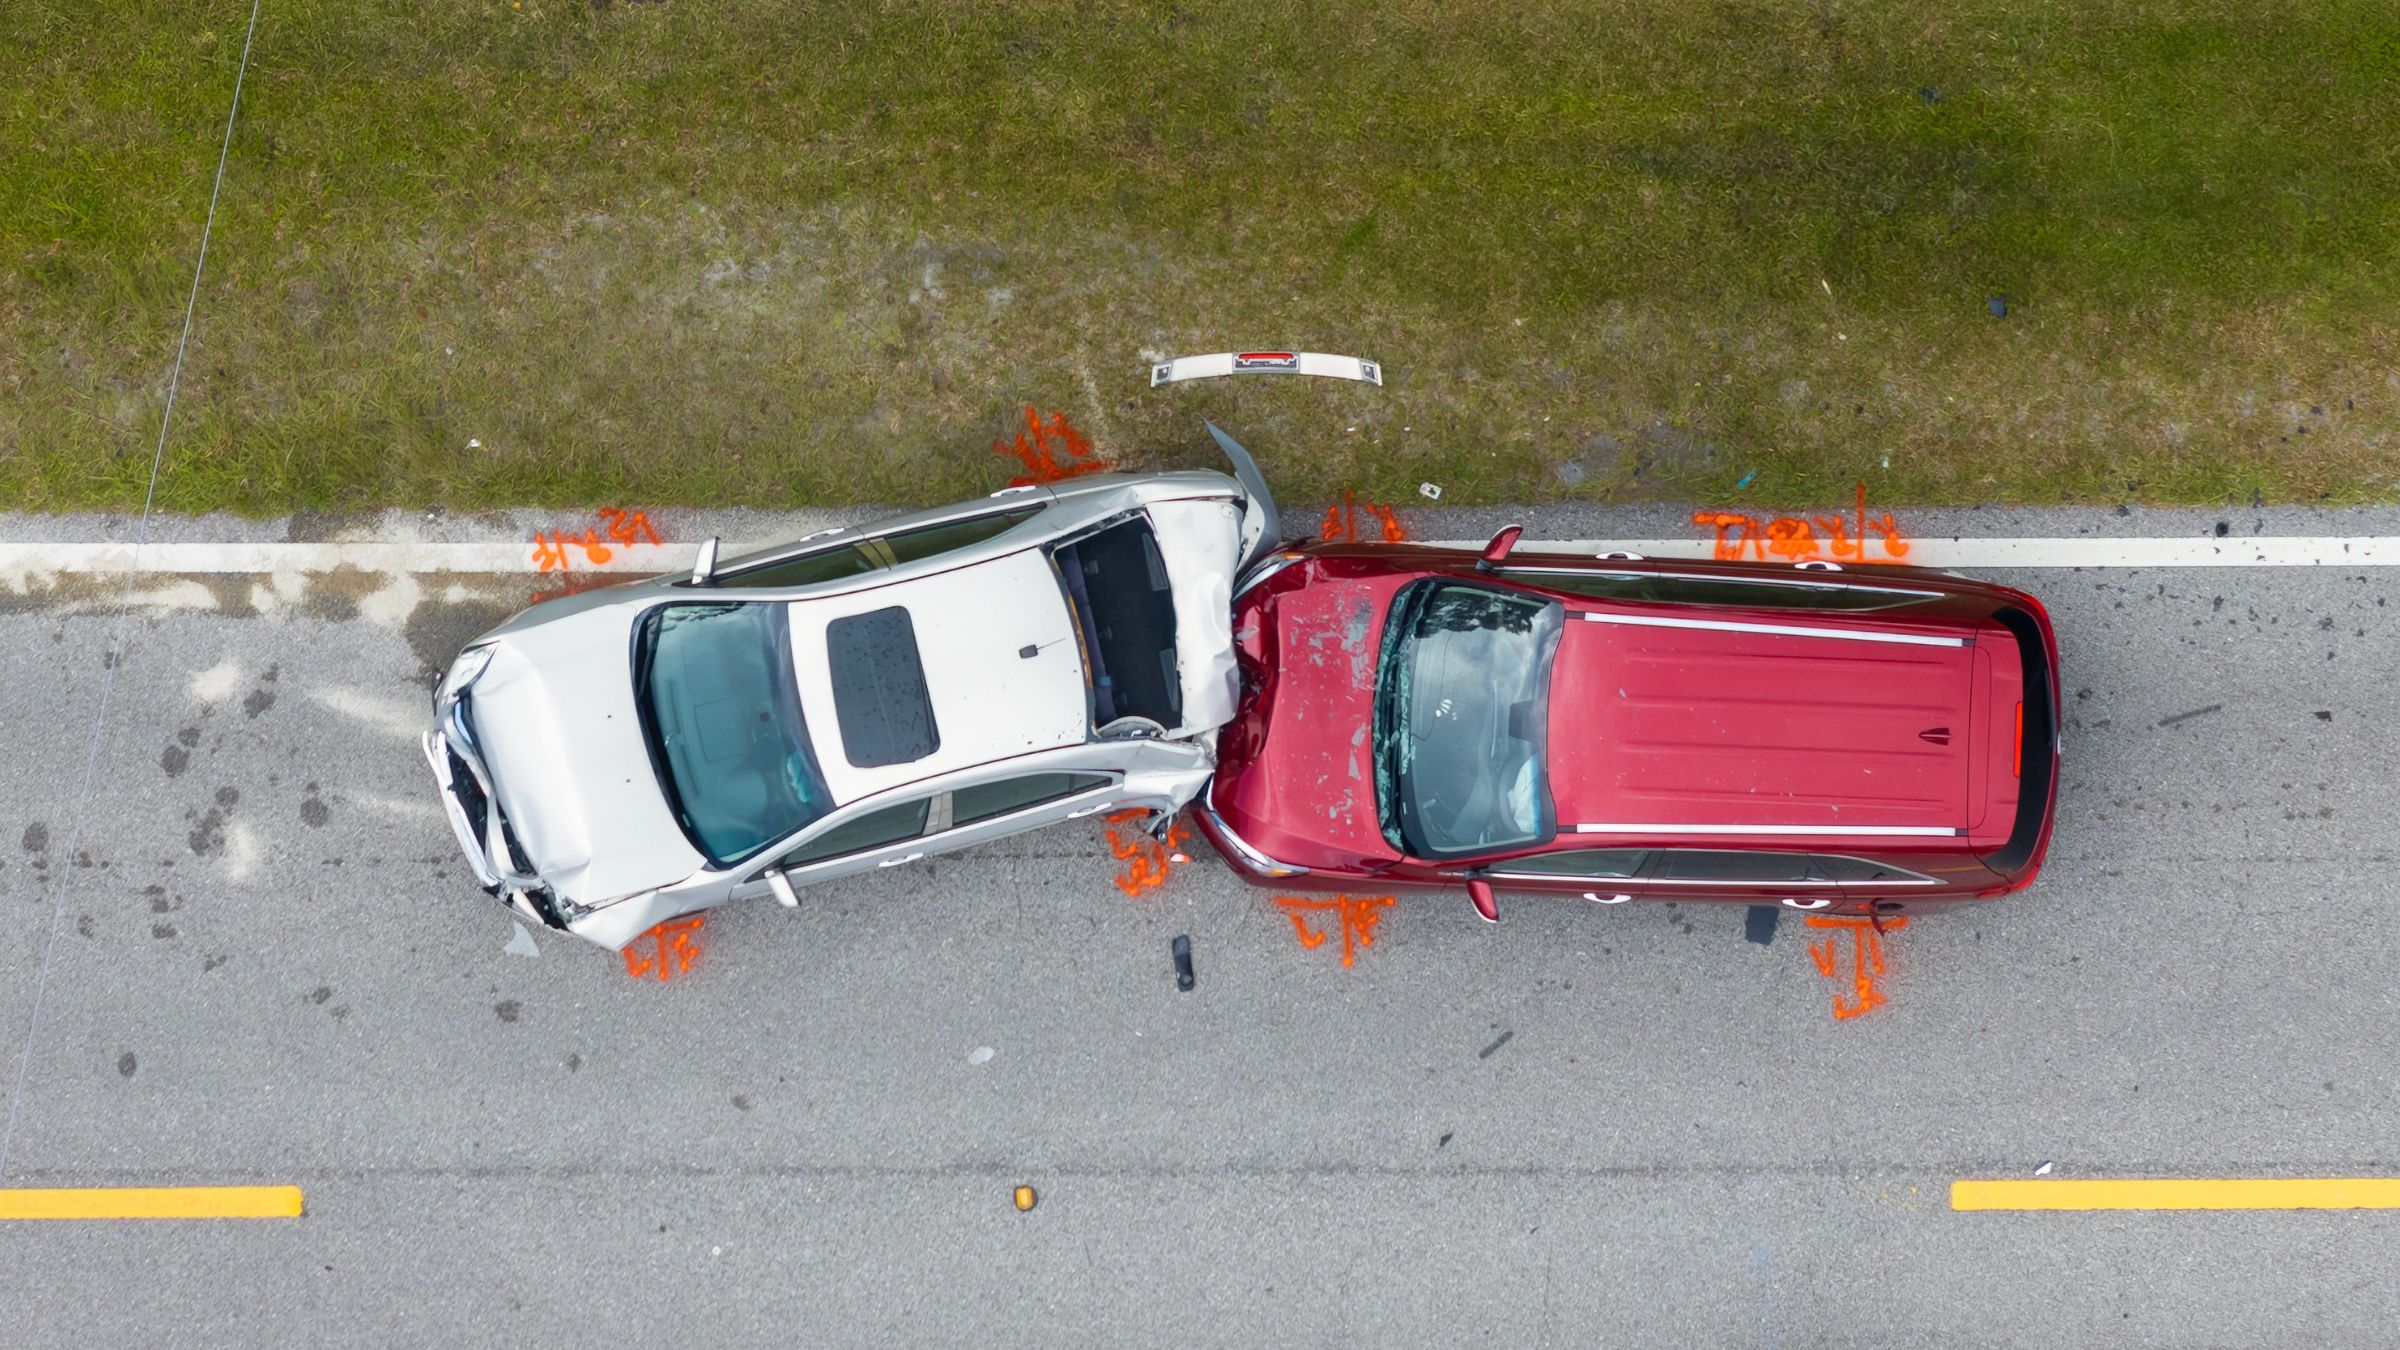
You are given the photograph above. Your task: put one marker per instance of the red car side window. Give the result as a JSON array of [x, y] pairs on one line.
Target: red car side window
[[1614, 863]]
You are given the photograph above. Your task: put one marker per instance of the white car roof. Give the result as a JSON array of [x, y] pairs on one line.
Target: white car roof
[[990, 702]]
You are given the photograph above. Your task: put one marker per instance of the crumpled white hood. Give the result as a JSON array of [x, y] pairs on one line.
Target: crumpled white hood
[[1201, 543], [555, 719]]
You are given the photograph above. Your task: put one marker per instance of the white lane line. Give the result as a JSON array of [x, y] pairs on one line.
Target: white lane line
[[386, 557], [2257, 551], [364, 556]]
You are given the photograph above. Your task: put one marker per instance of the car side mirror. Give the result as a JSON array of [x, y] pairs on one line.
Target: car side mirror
[[781, 885], [1497, 550], [1480, 892], [704, 567]]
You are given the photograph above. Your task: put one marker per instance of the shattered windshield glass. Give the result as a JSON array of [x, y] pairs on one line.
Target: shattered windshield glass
[[1462, 695]]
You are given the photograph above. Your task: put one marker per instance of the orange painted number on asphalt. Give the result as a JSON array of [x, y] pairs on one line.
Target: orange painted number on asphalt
[[666, 951], [1357, 916], [1147, 860], [1866, 960]]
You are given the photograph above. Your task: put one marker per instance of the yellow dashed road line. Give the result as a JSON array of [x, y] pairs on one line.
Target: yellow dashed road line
[[163, 1202], [2172, 1193]]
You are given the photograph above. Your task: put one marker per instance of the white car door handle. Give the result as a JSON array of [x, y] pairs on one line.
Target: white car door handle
[[1089, 811], [895, 862]]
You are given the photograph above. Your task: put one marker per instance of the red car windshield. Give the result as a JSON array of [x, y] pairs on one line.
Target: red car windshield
[[1462, 695]]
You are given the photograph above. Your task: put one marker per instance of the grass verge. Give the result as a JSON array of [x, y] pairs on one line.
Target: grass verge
[[745, 252]]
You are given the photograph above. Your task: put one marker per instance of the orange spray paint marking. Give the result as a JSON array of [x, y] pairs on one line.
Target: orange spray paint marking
[[671, 948], [1866, 960], [550, 549], [629, 527], [1895, 544], [1796, 539], [1842, 545], [1037, 447], [1790, 537], [1341, 523], [1735, 532], [550, 552], [1147, 860], [1358, 915]]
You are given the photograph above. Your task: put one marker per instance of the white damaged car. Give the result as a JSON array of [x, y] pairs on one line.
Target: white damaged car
[[857, 700]]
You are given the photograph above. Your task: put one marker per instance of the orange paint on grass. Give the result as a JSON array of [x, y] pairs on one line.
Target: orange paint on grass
[[1039, 447]]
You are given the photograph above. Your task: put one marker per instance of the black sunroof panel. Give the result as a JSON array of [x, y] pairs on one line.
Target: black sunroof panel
[[879, 695]]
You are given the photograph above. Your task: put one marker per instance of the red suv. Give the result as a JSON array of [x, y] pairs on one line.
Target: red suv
[[1862, 742]]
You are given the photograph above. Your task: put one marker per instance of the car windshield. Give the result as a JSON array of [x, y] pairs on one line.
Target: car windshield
[[720, 708], [1462, 696]]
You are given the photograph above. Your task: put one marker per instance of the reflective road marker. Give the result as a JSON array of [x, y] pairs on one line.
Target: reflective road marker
[[2174, 1193], [163, 1202]]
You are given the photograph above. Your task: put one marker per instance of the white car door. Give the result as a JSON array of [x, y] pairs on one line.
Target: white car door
[[1026, 801], [848, 842]]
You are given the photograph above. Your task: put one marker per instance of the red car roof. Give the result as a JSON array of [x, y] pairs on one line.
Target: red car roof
[[1698, 731]]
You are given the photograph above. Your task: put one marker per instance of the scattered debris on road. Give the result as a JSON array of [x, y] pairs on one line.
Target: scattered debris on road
[[1182, 949]]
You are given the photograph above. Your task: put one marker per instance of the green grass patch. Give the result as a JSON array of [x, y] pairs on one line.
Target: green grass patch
[[743, 252]]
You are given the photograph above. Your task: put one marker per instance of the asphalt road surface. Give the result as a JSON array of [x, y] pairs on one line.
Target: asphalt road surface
[[1624, 1127]]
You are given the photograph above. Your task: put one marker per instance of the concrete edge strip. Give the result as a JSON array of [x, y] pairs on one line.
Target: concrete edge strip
[[383, 557]]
